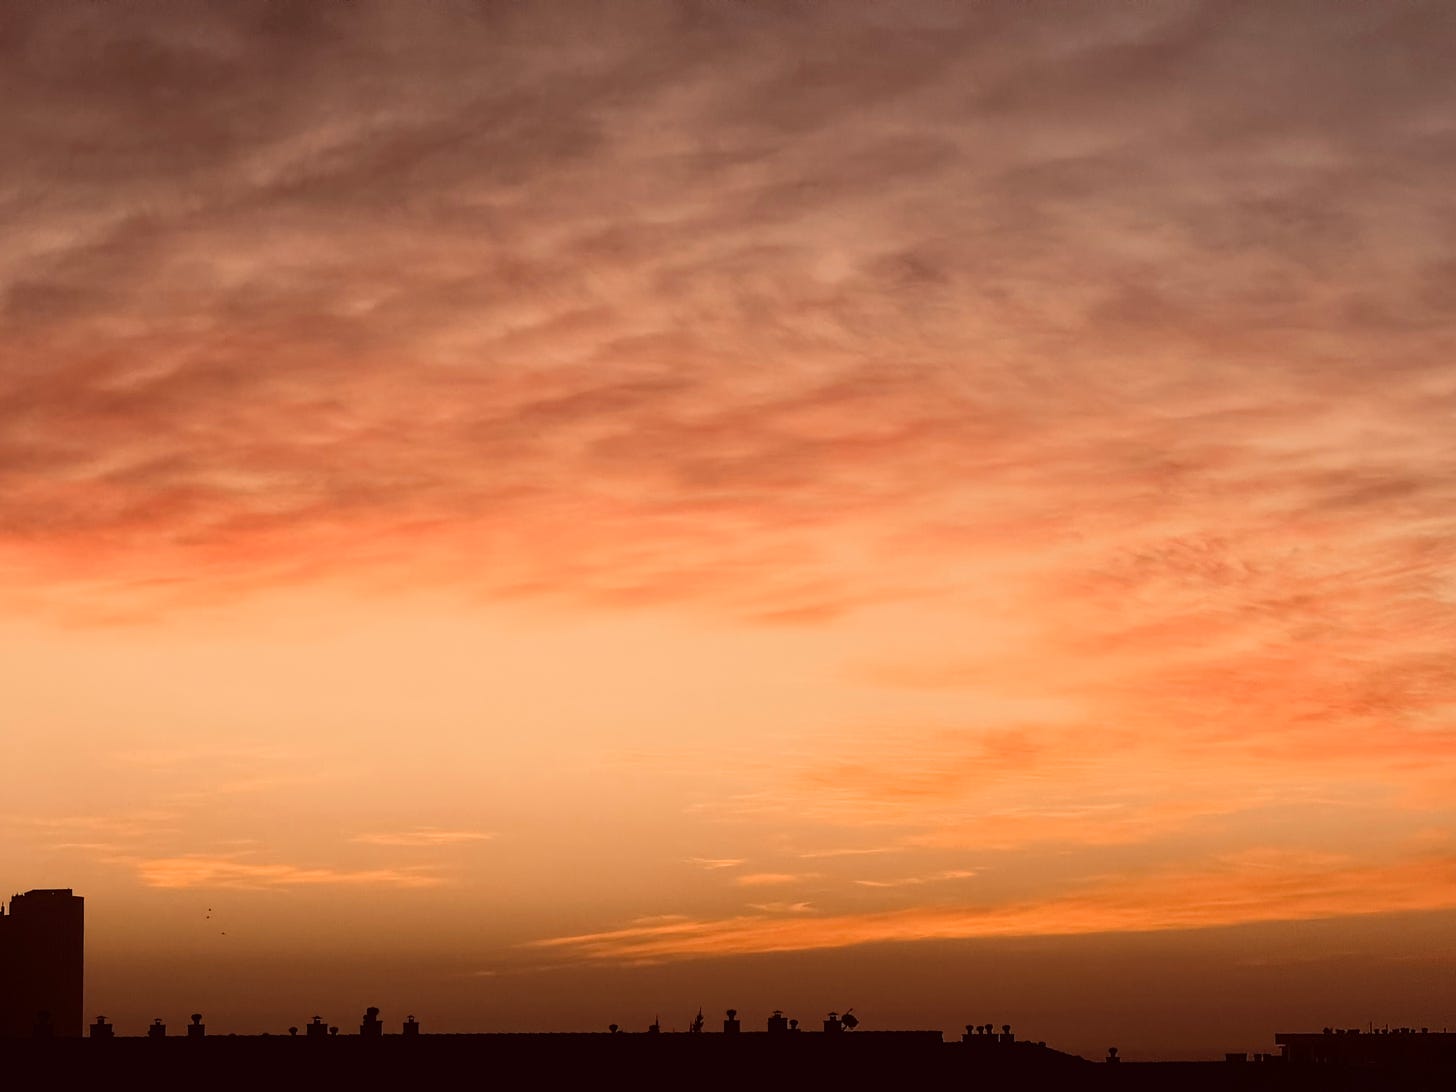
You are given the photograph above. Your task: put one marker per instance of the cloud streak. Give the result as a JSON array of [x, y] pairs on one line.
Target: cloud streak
[[424, 837], [1268, 887], [768, 879], [203, 871], [917, 881]]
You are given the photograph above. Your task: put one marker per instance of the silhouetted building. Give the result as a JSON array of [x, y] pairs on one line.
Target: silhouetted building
[[1418, 1047], [42, 965]]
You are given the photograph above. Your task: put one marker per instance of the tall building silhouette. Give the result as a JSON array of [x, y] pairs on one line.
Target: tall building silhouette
[[42, 964]]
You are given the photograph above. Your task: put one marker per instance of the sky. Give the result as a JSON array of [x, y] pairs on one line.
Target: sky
[[548, 515]]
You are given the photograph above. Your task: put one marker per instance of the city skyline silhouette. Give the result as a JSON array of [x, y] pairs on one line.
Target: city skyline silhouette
[[42, 957], [42, 961]]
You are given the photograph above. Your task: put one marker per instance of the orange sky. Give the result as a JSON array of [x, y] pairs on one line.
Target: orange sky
[[539, 516]]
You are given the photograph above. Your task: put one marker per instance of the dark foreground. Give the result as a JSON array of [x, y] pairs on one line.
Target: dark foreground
[[863, 1060]]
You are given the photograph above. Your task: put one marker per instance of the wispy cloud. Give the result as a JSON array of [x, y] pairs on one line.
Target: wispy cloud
[[715, 864], [426, 837], [769, 879], [197, 870], [124, 826], [830, 854], [99, 846], [917, 881], [1252, 888], [782, 907]]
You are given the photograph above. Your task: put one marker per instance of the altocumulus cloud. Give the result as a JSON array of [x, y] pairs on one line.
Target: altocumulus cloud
[[436, 303]]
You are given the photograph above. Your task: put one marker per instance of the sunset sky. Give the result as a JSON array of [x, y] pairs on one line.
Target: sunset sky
[[547, 515]]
